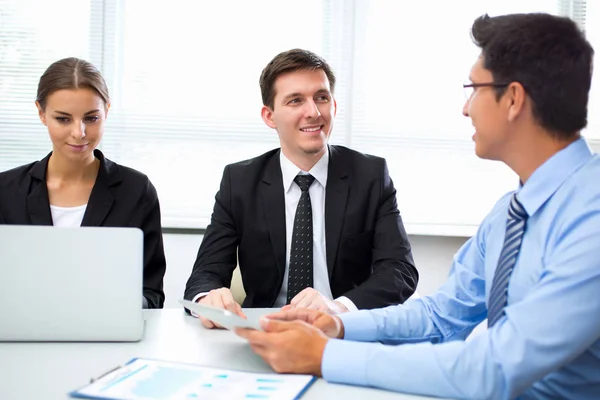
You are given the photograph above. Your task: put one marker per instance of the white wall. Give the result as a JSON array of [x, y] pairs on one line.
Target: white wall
[[433, 255]]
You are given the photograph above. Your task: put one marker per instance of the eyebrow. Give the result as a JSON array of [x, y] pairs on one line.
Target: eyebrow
[[296, 94], [69, 115], [292, 95]]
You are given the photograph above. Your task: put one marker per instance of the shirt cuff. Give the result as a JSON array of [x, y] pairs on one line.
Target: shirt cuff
[[195, 299], [345, 362], [359, 326], [347, 303]]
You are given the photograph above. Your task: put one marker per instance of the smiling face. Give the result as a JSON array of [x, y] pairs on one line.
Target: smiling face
[[75, 120], [303, 112], [489, 116]]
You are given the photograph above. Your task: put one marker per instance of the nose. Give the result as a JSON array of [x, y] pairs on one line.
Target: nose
[[312, 110], [78, 131], [465, 110]]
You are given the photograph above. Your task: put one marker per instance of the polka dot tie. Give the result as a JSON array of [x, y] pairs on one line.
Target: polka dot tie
[[301, 256]]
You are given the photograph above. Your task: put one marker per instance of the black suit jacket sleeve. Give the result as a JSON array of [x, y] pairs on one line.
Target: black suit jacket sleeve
[[394, 276], [154, 254], [217, 256], [367, 251]]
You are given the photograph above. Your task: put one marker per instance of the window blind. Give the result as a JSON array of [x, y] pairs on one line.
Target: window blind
[[183, 77]]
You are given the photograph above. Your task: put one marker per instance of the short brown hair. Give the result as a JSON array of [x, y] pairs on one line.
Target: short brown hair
[[71, 73], [290, 61]]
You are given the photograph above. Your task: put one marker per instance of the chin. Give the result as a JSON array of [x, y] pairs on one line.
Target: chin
[[315, 146], [313, 150], [479, 153], [486, 154], [77, 157], [483, 155]]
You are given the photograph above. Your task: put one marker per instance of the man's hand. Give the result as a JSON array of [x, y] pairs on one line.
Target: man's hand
[[313, 300], [288, 347], [331, 326], [220, 298]]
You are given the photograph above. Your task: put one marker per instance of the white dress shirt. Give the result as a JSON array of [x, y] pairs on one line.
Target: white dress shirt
[[67, 216], [317, 199]]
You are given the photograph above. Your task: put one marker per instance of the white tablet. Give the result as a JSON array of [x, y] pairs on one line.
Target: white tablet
[[225, 318]]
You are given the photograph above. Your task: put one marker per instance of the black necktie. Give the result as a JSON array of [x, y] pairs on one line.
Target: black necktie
[[300, 274]]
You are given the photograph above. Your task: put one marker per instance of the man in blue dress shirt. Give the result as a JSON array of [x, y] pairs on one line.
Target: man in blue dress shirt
[[532, 269]]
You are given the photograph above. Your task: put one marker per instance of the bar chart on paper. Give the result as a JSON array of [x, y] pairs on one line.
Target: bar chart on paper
[[144, 379]]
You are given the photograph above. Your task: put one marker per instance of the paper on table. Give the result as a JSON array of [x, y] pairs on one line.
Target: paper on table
[[225, 318], [152, 379]]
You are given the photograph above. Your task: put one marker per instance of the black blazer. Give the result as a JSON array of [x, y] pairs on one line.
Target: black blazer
[[121, 197], [367, 249]]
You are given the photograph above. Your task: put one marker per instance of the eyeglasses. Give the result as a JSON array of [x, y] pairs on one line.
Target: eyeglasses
[[469, 88]]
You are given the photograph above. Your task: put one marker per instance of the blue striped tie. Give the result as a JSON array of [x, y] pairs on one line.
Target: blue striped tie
[[515, 228]]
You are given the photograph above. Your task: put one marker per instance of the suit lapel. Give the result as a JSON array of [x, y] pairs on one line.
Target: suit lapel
[[273, 199], [38, 205], [336, 195], [101, 199]]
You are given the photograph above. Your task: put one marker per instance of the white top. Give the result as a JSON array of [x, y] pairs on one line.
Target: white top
[[70, 217], [317, 199]]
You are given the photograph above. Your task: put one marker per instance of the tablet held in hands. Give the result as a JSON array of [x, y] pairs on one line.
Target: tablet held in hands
[[225, 318]]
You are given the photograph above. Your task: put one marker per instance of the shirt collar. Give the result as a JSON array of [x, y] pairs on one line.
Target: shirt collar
[[289, 170], [546, 180]]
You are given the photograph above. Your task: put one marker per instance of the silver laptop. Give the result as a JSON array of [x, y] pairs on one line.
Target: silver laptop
[[70, 284]]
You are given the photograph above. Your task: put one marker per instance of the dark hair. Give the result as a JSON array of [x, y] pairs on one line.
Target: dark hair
[[71, 73], [290, 61], [549, 56]]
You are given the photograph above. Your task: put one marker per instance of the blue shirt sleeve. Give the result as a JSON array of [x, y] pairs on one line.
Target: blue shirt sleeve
[[535, 338], [450, 314]]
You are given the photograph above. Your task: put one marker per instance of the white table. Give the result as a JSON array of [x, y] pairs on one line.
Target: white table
[[51, 370]]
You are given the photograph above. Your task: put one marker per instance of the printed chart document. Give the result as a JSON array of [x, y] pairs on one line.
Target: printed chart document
[[144, 379]]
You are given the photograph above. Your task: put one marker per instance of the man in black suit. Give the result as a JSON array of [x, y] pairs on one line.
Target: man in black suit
[[313, 225]]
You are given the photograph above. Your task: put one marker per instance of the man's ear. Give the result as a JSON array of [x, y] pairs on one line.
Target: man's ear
[[41, 113], [515, 96], [334, 107], [267, 115]]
